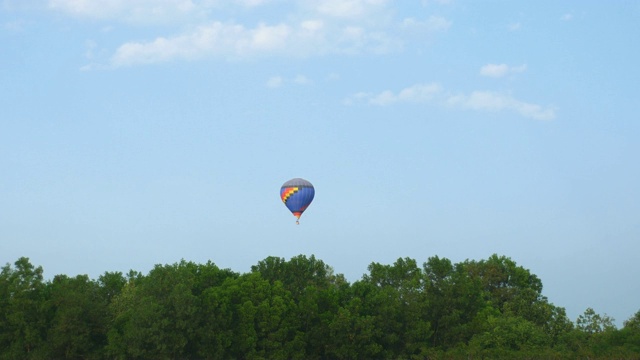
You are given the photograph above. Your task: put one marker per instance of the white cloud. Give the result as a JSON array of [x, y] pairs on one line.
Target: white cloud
[[235, 41], [492, 101], [333, 76], [91, 47], [252, 3], [279, 81], [138, 11], [357, 98], [419, 93], [275, 82], [432, 24], [14, 26], [230, 40], [349, 8], [567, 17], [266, 37], [514, 26], [189, 46], [434, 93], [301, 80], [442, 2], [494, 70], [217, 28], [416, 94], [500, 70]]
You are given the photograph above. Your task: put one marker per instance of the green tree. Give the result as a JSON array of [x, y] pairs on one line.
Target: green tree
[[503, 281], [79, 318], [257, 318], [455, 299], [591, 322], [299, 309], [558, 326], [156, 316], [216, 289], [628, 338], [398, 304], [506, 335], [111, 284], [23, 321], [317, 293], [633, 323], [353, 335], [217, 320], [314, 311], [297, 274]]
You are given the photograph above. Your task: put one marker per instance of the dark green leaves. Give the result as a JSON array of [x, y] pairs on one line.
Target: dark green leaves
[[299, 309]]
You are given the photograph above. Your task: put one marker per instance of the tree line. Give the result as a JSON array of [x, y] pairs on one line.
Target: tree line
[[300, 309]]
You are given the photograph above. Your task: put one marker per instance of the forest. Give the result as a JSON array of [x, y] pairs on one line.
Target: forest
[[300, 309]]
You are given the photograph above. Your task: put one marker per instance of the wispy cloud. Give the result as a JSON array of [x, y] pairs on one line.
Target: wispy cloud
[[349, 8], [333, 76], [279, 81], [419, 93], [235, 41], [252, 3], [431, 24], [275, 82], [139, 11], [514, 26], [500, 70], [492, 101], [442, 2], [223, 39], [14, 26], [301, 80], [217, 29], [433, 93]]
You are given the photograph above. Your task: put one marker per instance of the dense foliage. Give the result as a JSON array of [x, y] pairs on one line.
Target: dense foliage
[[300, 309]]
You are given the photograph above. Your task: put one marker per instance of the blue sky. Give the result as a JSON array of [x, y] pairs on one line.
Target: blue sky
[[142, 133]]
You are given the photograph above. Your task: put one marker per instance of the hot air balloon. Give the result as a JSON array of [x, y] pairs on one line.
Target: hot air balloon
[[297, 194]]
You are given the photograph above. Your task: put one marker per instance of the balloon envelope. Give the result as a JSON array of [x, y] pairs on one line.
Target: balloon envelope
[[297, 194]]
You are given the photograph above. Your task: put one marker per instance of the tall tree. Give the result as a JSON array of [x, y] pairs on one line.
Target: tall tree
[[111, 284], [23, 322], [79, 318], [633, 323], [297, 274], [316, 291], [156, 315], [353, 334], [504, 281], [591, 322], [455, 299], [507, 335], [399, 306]]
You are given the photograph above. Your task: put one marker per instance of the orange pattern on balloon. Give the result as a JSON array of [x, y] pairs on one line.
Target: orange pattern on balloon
[[287, 193]]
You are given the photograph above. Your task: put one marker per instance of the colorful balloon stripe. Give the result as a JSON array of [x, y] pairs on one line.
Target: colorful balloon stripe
[[287, 192], [297, 194]]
